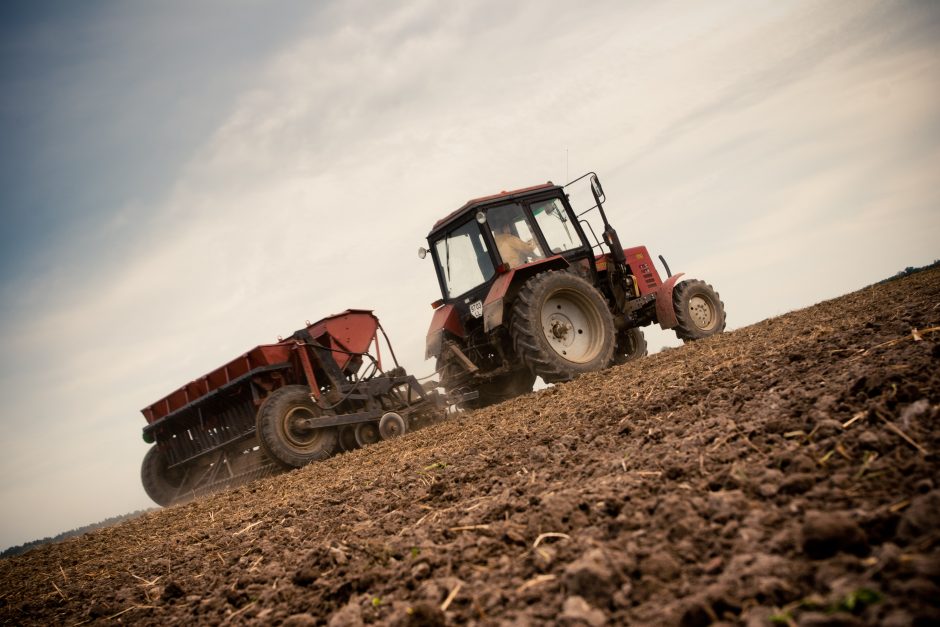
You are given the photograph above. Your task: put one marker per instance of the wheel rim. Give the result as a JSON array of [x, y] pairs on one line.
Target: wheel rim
[[296, 434], [392, 425], [702, 312], [572, 326]]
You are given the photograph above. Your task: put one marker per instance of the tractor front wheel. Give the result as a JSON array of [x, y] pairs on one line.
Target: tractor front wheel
[[699, 310], [283, 430], [162, 484], [562, 326]]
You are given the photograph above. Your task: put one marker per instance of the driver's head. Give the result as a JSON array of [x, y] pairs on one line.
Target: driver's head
[[503, 227]]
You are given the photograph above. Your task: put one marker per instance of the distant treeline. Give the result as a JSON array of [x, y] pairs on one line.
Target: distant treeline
[[107, 522], [909, 271]]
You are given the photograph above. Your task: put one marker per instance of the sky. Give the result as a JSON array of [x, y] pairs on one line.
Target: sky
[[183, 181]]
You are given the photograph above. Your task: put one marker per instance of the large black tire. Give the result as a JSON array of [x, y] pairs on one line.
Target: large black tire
[[288, 444], [562, 327], [699, 310], [163, 485], [631, 344]]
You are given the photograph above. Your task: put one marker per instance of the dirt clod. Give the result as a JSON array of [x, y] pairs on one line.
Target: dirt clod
[[661, 565], [922, 516], [424, 615], [172, 590], [591, 577], [827, 533], [349, 616], [299, 620], [578, 612]]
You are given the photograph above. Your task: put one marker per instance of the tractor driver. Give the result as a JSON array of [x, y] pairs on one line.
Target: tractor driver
[[511, 248]]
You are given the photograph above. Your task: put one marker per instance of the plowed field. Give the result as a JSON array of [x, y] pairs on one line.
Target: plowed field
[[784, 473]]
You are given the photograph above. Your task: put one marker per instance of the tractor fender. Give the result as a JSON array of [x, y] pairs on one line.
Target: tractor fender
[[494, 305], [665, 312], [445, 317]]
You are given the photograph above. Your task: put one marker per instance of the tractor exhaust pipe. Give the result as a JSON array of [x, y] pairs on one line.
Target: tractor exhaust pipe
[[666, 266]]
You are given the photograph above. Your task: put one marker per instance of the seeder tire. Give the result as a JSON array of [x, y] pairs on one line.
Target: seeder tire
[[562, 326], [699, 310], [160, 483], [288, 444]]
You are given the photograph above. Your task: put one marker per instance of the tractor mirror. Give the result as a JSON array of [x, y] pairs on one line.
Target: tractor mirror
[[422, 252], [597, 190]]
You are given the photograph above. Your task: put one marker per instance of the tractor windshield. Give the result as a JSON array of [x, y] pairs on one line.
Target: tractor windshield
[[464, 259], [555, 224], [513, 235]]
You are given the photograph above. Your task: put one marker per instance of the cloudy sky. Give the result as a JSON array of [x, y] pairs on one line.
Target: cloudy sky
[[183, 181]]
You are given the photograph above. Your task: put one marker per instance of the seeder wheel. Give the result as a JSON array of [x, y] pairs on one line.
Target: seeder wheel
[[282, 425], [392, 425], [163, 485]]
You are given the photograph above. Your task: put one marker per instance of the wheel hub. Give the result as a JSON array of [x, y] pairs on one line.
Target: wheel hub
[[297, 429], [392, 425], [560, 328], [701, 312], [571, 326]]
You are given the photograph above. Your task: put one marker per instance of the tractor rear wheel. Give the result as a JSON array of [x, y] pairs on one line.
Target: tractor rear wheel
[[282, 431], [562, 326], [162, 484], [699, 310], [630, 345]]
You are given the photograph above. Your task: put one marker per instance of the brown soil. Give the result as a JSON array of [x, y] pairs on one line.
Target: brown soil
[[784, 473]]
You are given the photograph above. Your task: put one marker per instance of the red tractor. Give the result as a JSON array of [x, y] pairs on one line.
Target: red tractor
[[527, 294]]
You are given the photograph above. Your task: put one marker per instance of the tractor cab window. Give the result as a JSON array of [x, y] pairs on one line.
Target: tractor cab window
[[556, 225], [464, 259], [512, 232]]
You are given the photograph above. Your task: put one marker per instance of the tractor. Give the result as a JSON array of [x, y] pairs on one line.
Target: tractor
[[526, 294]]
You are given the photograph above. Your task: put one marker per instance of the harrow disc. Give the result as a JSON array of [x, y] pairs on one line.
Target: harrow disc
[[367, 433]]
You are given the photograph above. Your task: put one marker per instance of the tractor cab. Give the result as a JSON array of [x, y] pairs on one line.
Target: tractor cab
[[491, 236]]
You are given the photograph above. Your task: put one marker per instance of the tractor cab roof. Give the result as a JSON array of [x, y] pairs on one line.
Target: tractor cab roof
[[476, 203]]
